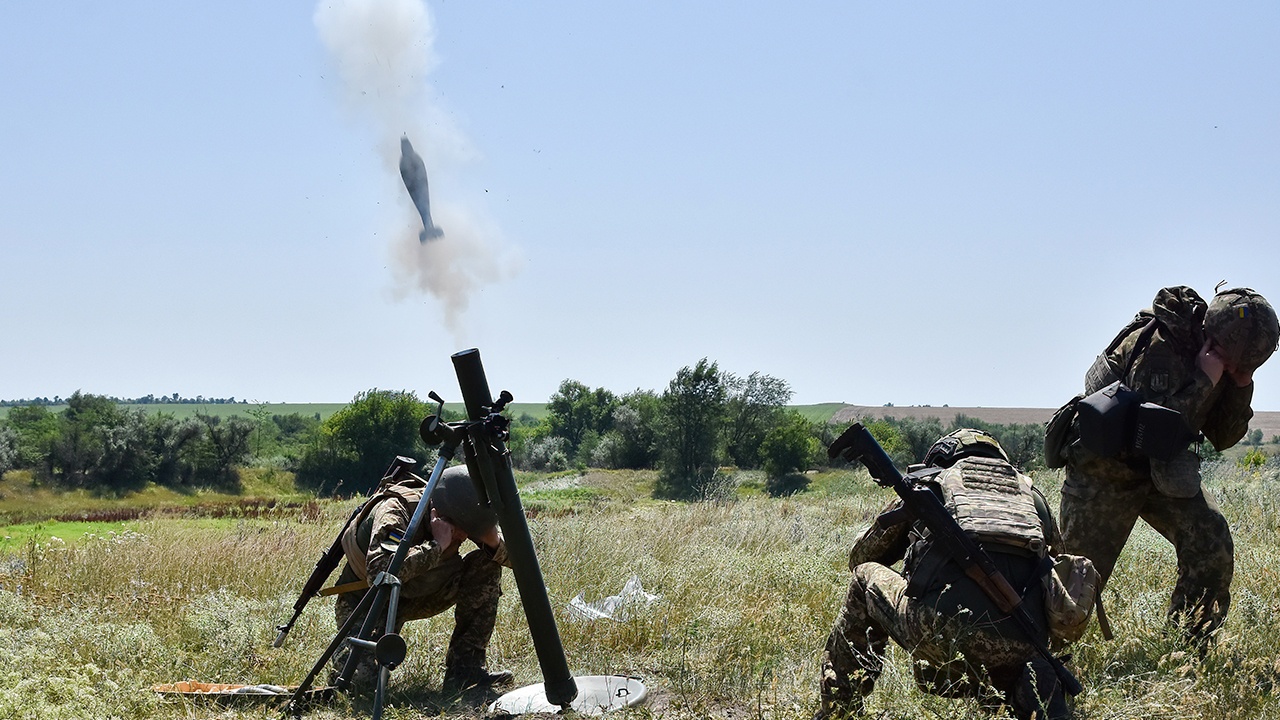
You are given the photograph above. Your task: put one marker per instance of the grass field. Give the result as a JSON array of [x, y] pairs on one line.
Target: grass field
[[749, 588]]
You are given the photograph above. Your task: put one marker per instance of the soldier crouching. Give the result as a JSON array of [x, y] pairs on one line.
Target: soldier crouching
[[962, 645], [434, 575]]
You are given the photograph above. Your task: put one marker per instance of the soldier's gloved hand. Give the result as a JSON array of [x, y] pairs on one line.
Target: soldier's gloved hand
[[445, 534]]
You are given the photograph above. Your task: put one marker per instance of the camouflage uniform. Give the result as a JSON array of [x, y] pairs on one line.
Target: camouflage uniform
[[960, 641], [432, 581], [1103, 497]]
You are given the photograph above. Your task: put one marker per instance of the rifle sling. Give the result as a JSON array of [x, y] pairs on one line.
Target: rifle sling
[[345, 588], [1103, 623]]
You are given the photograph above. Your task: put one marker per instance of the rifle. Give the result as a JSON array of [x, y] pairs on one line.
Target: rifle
[[330, 558], [920, 502]]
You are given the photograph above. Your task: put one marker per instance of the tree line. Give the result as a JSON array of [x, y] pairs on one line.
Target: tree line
[[174, 399], [95, 443], [694, 433]]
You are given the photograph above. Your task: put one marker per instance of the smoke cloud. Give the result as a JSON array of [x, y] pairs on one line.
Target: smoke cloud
[[384, 52]]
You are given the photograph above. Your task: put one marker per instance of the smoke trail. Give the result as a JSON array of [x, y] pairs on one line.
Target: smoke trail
[[383, 50]]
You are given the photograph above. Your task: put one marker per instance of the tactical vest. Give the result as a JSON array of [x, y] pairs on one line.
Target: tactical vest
[[358, 532], [993, 503]]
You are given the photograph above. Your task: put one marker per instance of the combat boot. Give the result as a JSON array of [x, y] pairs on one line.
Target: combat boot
[[458, 679], [1037, 693], [837, 694]]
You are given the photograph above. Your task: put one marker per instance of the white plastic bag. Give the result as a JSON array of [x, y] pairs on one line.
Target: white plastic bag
[[615, 607]]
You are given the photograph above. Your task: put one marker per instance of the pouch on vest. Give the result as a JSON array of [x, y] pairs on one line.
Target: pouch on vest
[[1057, 432], [1070, 592], [1106, 419], [1160, 432], [1115, 419], [993, 503]]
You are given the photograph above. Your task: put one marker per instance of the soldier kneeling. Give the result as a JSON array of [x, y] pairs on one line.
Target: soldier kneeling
[[961, 644], [434, 576]]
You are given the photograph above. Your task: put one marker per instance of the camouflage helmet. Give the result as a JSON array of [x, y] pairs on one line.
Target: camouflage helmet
[[457, 501], [963, 443], [1244, 324]]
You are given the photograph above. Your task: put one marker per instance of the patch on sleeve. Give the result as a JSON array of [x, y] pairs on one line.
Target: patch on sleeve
[[1159, 382]]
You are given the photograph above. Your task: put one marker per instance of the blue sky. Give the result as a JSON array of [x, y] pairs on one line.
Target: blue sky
[[916, 203]]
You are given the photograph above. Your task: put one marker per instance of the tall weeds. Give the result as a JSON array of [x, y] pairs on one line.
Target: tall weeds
[[748, 591]]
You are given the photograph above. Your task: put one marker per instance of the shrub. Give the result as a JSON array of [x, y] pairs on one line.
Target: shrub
[[357, 443], [549, 453], [788, 447]]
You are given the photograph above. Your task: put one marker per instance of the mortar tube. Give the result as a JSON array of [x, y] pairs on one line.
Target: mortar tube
[[495, 464]]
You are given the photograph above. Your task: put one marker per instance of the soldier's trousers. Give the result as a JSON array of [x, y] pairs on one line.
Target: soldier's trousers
[[1103, 498], [959, 658], [470, 584]]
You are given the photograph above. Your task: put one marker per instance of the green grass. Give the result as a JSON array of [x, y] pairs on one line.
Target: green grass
[[537, 411], [748, 587], [819, 413], [14, 537]]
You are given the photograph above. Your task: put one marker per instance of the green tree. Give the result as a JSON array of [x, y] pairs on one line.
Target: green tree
[[787, 449], [575, 411], [261, 415], [170, 440], [890, 438], [289, 436], [691, 431], [36, 429], [919, 435], [78, 451], [754, 406], [357, 443], [8, 449], [128, 460], [223, 445], [1024, 444], [633, 442]]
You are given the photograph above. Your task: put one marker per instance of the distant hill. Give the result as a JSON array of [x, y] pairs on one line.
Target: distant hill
[[1268, 422], [1002, 416]]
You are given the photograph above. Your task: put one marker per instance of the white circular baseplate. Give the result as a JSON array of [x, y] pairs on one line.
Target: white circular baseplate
[[597, 695]]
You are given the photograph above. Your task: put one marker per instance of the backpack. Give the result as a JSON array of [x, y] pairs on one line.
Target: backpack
[[407, 492]]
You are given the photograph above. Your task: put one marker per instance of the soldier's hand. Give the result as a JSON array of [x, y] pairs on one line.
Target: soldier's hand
[[445, 534], [490, 538], [1241, 378], [1210, 362]]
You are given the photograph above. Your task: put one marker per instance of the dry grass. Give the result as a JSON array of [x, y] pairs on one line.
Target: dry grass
[[748, 588]]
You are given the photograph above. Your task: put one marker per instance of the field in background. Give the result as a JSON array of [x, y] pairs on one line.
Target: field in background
[[1267, 422], [840, 413], [748, 590]]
